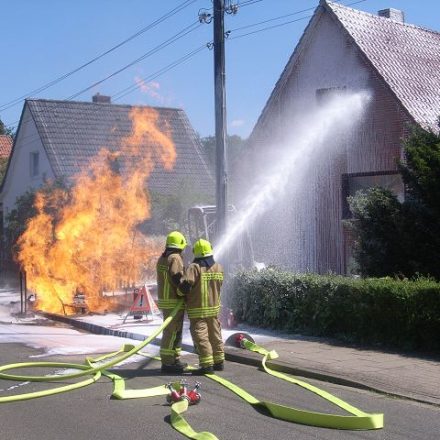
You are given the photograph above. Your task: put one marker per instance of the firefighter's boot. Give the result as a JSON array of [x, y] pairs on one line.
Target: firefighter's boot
[[177, 367]]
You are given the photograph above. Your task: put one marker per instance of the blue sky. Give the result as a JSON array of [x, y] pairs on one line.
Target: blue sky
[[45, 39]]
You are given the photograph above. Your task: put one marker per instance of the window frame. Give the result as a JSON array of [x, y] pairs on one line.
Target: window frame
[[34, 164], [345, 178]]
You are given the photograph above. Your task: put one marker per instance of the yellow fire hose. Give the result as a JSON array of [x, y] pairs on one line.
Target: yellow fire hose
[[358, 419]]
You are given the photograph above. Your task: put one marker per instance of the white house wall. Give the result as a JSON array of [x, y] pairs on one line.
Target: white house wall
[[304, 232], [19, 179]]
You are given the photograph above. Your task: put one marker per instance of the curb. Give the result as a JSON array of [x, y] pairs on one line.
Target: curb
[[100, 330], [237, 355]]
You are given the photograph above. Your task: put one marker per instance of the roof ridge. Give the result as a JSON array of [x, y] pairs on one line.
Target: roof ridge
[[358, 11], [102, 104]]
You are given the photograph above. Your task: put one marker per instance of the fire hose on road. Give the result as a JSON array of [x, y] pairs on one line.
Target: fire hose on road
[[357, 420]]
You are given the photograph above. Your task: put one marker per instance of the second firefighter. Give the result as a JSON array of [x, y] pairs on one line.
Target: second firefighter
[[201, 285]]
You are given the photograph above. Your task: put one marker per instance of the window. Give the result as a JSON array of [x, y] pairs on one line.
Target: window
[[351, 183], [35, 164], [323, 96]]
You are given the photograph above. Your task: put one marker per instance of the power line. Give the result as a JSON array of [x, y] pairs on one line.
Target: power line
[[269, 28], [272, 19], [177, 36], [248, 3], [280, 24], [184, 32], [164, 17], [188, 29], [192, 27], [127, 90], [118, 95]]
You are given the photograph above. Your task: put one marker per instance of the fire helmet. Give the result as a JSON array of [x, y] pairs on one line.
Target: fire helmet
[[202, 248], [176, 240]]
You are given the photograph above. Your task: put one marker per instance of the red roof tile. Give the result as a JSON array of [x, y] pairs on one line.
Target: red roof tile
[[5, 145]]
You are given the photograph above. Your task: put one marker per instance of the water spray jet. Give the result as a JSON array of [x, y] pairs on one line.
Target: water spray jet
[[289, 169]]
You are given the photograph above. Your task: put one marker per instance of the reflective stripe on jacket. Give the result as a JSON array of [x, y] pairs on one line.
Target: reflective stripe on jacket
[[203, 300], [167, 292]]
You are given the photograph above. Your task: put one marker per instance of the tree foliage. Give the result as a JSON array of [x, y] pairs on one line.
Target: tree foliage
[[170, 211], [394, 238], [3, 165], [24, 210], [4, 160], [6, 130], [235, 145]]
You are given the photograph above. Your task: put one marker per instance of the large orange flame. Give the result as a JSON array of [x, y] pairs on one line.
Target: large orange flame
[[91, 244]]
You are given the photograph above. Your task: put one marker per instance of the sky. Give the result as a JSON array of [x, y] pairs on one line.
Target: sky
[[41, 41]]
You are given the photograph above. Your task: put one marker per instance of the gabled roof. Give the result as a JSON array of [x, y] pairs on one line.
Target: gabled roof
[[406, 56], [73, 132], [5, 145]]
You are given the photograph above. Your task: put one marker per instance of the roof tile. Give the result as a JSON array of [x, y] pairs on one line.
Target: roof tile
[[5, 145], [406, 56], [74, 132]]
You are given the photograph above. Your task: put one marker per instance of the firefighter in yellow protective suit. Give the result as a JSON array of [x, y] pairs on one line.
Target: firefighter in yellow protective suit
[[169, 273], [201, 285]]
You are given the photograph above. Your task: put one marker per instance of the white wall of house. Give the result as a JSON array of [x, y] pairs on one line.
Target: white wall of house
[[29, 165], [309, 234]]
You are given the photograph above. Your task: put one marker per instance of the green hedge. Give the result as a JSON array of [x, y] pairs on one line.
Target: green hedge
[[393, 313]]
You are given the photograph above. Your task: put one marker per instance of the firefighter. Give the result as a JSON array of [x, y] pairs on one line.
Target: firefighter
[[169, 273], [201, 286]]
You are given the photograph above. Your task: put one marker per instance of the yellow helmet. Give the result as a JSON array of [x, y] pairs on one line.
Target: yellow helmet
[[202, 248], [176, 240]]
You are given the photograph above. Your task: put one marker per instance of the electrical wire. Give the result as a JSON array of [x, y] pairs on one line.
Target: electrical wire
[[133, 87], [192, 27], [164, 17], [248, 3], [118, 95], [272, 19], [161, 46], [184, 32], [280, 24]]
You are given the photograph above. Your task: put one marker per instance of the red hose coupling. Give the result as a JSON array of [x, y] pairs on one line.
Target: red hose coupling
[[239, 340], [194, 395], [183, 390], [174, 396]]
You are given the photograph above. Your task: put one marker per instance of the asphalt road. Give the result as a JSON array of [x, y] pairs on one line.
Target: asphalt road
[[90, 413]]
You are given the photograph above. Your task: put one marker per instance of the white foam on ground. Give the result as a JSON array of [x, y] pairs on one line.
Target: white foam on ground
[[55, 340]]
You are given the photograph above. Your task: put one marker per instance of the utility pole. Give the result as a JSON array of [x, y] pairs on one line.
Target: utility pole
[[220, 116]]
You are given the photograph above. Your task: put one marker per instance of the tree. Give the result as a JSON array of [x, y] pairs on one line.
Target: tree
[[235, 146], [6, 130], [24, 210], [4, 160], [421, 170], [394, 238], [3, 165]]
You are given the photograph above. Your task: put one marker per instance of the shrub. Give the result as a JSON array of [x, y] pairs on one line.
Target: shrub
[[394, 313]]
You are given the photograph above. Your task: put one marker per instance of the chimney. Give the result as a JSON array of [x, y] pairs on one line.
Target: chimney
[[101, 99], [393, 14]]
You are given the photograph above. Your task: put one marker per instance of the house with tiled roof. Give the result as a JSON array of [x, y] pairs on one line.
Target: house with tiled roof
[[5, 145], [57, 139], [343, 51]]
